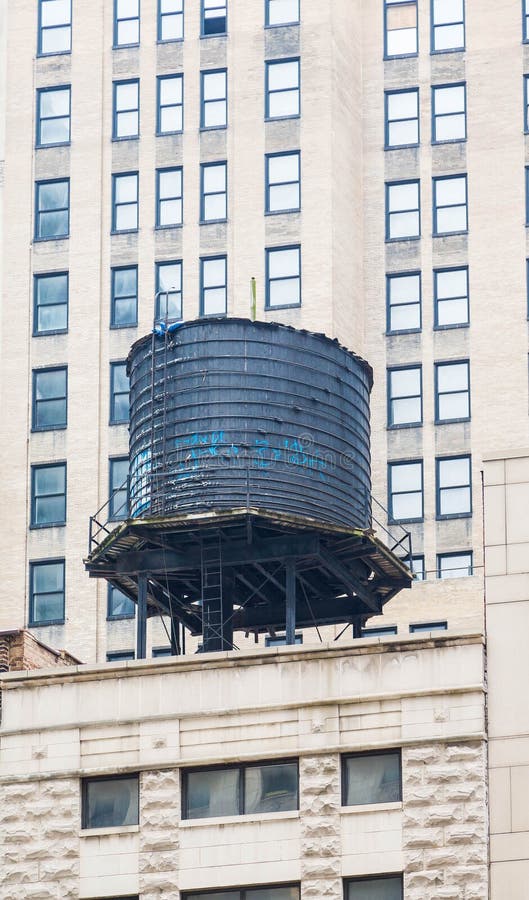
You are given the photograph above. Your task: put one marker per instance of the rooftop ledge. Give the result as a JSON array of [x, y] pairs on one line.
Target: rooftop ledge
[[241, 659]]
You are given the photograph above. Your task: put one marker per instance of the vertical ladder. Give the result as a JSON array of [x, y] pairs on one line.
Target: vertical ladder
[[212, 602]]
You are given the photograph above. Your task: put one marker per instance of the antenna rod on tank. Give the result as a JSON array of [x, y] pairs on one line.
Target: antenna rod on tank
[[253, 294]]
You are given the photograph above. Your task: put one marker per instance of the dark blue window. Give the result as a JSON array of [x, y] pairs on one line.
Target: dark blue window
[[383, 631], [448, 25], [452, 391], [214, 17], [401, 35], [525, 20], [170, 118], [48, 495], [170, 20], [52, 209], [405, 488], [53, 116], [126, 122], [283, 276], [449, 120], [454, 487], [169, 199], [450, 214], [402, 118], [119, 606], [213, 286], [451, 297], [282, 171], [428, 626], [403, 211], [55, 26], [213, 192], [417, 567], [282, 98], [281, 12], [454, 565], [169, 290], [50, 392], [46, 592], [118, 478], [50, 304], [403, 292], [214, 99], [126, 22], [124, 303], [125, 202], [119, 393], [405, 396]]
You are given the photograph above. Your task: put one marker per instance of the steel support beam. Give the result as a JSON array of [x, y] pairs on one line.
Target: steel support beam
[[141, 632], [290, 577]]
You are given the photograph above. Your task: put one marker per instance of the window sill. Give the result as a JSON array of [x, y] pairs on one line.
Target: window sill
[[126, 137], [114, 327], [212, 221], [450, 141], [36, 430], [401, 146], [168, 133], [447, 50], [215, 821], [170, 40], [49, 146], [168, 227], [125, 231], [282, 118], [371, 807], [404, 331], [282, 212], [462, 515], [444, 234], [404, 425], [46, 624], [286, 306], [401, 56], [48, 333], [213, 128], [125, 46], [218, 34], [392, 521], [128, 617], [118, 829], [120, 422], [450, 327], [55, 53], [450, 421], [396, 240], [282, 25], [55, 237], [33, 527]]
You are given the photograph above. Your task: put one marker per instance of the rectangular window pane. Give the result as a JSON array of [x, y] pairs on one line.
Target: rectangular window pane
[[213, 286], [214, 99], [52, 216], [119, 606], [271, 788], [454, 565], [405, 396], [118, 492], [454, 486], [401, 27], [282, 12], [402, 118], [448, 25], [126, 109], [169, 201], [110, 802], [51, 303], [170, 20], [46, 592], [283, 277], [450, 204], [119, 393], [406, 490], [404, 302], [127, 22], [55, 31], [417, 567], [125, 211], [282, 89], [213, 17], [169, 291], [451, 295], [214, 192], [212, 793], [48, 495], [283, 182], [124, 309], [373, 778], [49, 398], [402, 210], [170, 104], [375, 889], [53, 116], [453, 391], [449, 113]]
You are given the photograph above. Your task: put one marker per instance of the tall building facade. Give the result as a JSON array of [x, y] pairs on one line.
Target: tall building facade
[[363, 162]]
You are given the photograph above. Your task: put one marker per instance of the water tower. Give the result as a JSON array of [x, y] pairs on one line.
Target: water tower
[[249, 489]]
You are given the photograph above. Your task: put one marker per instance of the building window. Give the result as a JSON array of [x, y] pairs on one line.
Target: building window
[[52, 215], [525, 20], [272, 892], [240, 790], [417, 567], [48, 495], [126, 109], [283, 277], [405, 396], [454, 565], [169, 201], [371, 778], [110, 802], [419, 627], [119, 606], [50, 312], [451, 297], [119, 393], [126, 23], [119, 656], [450, 204], [401, 28], [169, 291], [125, 202], [452, 391], [403, 216], [384, 631], [403, 292], [213, 287], [214, 17], [170, 104], [454, 494], [449, 119], [282, 171], [118, 506], [214, 106], [281, 12], [402, 118], [448, 25], [49, 398], [46, 592], [280, 640], [53, 116], [158, 652], [405, 491], [213, 192], [387, 887], [124, 306], [170, 20], [55, 26], [282, 89]]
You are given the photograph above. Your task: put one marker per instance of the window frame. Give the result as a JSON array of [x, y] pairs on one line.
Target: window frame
[[204, 259], [47, 90], [36, 306], [203, 195], [433, 26], [157, 290], [435, 116], [525, 21], [120, 656], [136, 203], [389, 213], [112, 517], [41, 28], [112, 617], [34, 564], [404, 462], [435, 206], [169, 170], [115, 30], [112, 392], [446, 363], [241, 767], [280, 24], [278, 62], [418, 576], [59, 523], [425, 627], [388, 3], [220, 4], [42, 370], [455, 555], [387, 122], [439, 488], [268, 251], [38, 212], [116, 113], [203, 102], [159, 23], [86, 781], [389, 305], [382, 631], [114, 298], [285, 210], [390, 399], [440, 271], [377, 877], [396, 751], [159, 79], [241, 891]]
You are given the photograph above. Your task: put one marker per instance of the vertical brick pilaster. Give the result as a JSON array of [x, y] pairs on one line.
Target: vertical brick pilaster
[[319, 785]]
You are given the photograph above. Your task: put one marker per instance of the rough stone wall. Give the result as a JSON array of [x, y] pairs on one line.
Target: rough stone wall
[[319, 789], [39, 852], [445, 822], [159, 839]]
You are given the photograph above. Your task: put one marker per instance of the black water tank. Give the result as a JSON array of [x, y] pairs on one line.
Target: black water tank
[[239, 414]]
